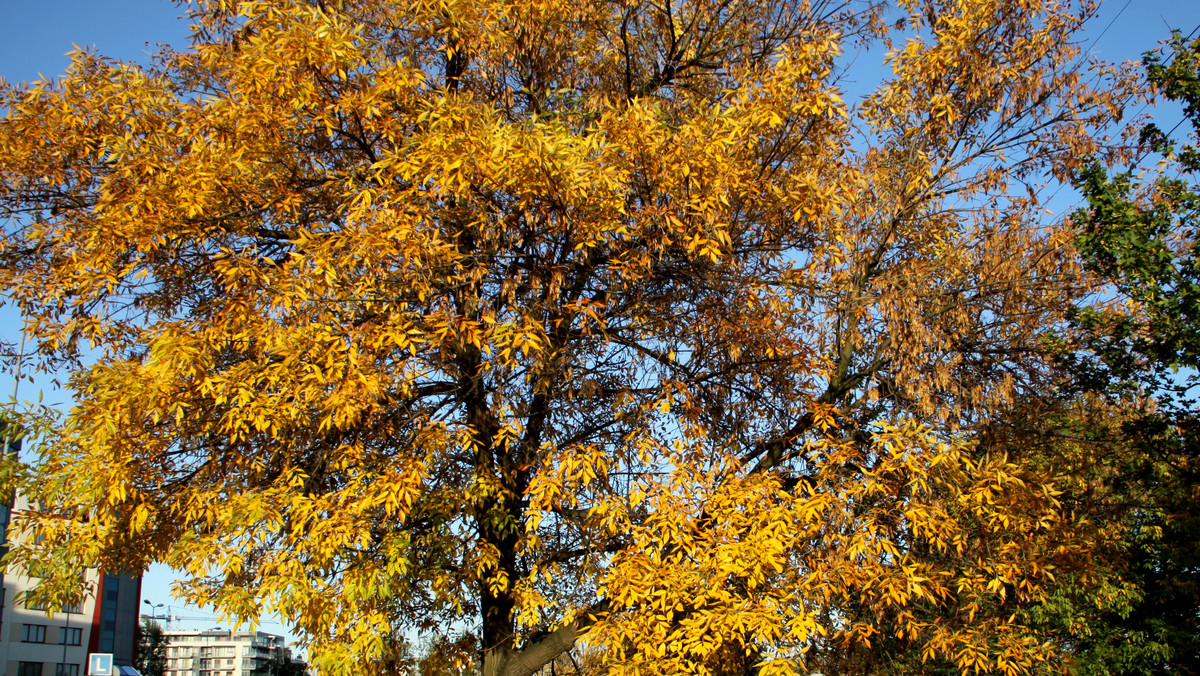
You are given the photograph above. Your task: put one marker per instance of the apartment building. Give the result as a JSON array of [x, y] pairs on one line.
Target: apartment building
[[33, 643], [223, 652]]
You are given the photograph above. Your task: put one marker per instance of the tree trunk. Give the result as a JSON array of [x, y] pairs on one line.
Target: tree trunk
[[503, 661]]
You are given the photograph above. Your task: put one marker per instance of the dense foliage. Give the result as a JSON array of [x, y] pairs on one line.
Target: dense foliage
[[598, 324], [1142, 238]]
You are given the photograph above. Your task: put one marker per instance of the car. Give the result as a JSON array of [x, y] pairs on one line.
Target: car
[[126, 671]]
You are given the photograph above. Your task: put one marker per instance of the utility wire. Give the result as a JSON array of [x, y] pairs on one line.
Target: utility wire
[[1144, 105], [1184, 118], [1168, 60], [1110, 25], [1083, 54]]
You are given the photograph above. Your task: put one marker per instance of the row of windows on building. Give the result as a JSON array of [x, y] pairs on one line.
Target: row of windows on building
[[226, 637], [35, 669], [203, 651], [207, 664], [36, 633], [74, 608]]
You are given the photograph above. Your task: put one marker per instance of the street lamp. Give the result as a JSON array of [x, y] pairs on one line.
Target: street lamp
[[154, 616]]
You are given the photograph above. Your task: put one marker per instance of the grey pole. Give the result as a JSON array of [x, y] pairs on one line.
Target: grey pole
[[8, 430]]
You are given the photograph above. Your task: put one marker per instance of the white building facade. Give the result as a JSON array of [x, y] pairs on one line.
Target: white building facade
[[223, 652], [33, 643]]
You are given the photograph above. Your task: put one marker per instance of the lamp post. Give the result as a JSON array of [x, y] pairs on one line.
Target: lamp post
[[66, 639], [154, 616], [9, 428]]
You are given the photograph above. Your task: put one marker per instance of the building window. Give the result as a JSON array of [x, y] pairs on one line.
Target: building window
[[108, 612], [61, 669], [33, 633], [29, 669], [70, 635], [75, 608]]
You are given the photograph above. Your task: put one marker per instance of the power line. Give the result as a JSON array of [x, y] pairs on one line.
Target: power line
[[1144, 105], [1110, 25], [1168, 60], [1182, 119], [1079, 60]]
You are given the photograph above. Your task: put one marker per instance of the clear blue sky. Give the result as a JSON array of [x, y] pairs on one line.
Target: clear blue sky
[[39, 34]]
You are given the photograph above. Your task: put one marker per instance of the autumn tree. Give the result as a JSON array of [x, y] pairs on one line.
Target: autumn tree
[[597, 320]]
